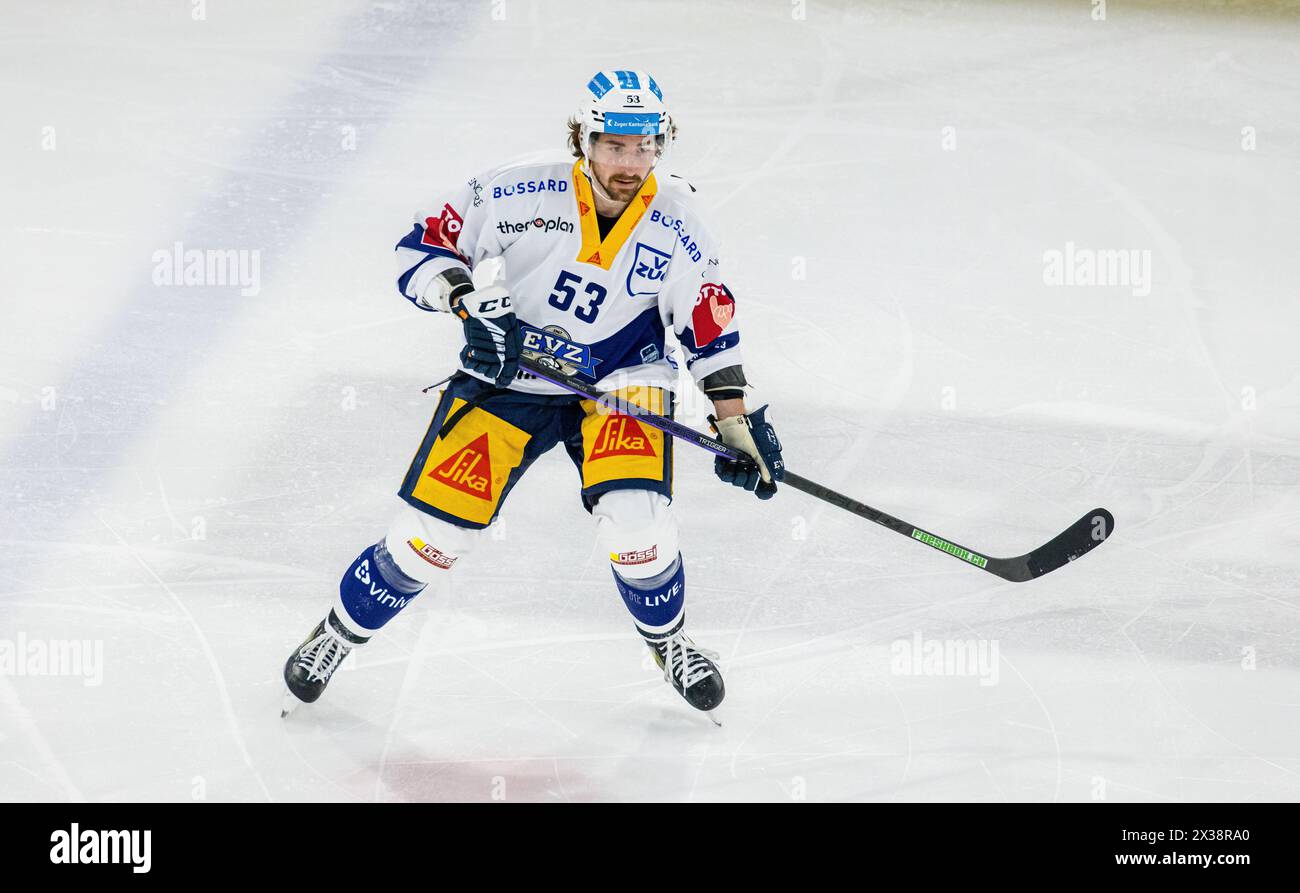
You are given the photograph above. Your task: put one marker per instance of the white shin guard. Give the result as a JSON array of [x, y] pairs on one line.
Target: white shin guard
[[637, 531], [425, 547]]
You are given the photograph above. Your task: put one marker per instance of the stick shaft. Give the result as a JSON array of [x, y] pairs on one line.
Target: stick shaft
[[1073, 542]]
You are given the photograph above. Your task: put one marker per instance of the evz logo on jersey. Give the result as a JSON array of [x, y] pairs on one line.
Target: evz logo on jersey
[[444, 231], [551, 346], [649, 267]]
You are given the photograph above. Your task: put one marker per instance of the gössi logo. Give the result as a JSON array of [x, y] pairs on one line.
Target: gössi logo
[[557, 224]]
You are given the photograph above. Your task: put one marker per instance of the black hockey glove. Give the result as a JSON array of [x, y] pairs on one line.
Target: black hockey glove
[[492, 335], [753, 435]]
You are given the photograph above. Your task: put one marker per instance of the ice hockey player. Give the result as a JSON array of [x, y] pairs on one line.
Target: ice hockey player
[[600, 260]]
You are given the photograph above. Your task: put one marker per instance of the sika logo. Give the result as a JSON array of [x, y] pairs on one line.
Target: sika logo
[[621, 436], [469, 470]]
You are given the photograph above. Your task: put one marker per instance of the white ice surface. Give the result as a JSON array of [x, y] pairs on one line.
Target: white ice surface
[[922, 365]]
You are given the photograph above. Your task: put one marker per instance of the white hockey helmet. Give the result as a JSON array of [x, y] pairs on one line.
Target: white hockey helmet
[[627, 102]]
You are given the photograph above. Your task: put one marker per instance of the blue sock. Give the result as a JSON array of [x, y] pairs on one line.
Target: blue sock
[[656, 603], [374, 589]]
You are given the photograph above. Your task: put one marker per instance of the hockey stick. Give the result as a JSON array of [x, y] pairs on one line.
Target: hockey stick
[[1076, 540]]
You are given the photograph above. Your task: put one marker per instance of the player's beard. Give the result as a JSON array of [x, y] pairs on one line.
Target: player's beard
[[621, 187]]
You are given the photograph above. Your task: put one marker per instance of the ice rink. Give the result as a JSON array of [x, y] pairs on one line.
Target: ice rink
[[186, 470]]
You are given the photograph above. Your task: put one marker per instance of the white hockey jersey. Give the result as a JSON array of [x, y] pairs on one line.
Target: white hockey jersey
[[593, 307]]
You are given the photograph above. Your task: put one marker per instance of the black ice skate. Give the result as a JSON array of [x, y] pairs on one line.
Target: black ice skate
[[309, 668], [690, 669]]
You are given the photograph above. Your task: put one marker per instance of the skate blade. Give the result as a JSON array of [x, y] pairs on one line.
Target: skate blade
[[289, 704], [711, 714]]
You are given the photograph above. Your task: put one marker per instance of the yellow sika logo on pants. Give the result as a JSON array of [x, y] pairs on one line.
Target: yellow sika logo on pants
[[617, 446], [621, 436], [469, 470], [465, 473]]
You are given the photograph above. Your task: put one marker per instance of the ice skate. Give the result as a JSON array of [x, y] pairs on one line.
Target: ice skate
[[309, 668], [690, 670]]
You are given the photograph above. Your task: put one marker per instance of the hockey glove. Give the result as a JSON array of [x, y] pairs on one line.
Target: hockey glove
[[753, 435], [492, 336]]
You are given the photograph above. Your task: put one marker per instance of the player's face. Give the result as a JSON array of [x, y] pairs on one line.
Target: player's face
[[622, 161]]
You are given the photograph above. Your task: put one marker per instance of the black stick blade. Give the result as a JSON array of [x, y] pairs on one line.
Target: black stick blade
[[1077, 540]]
